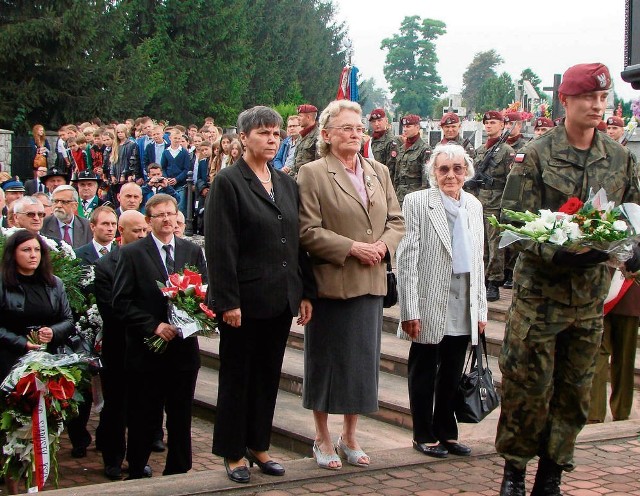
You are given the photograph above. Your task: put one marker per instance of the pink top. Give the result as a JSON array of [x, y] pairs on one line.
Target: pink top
[[357, 178]]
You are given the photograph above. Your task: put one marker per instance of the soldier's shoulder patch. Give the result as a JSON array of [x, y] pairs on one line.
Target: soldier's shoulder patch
[[394, 154], [519, 157]]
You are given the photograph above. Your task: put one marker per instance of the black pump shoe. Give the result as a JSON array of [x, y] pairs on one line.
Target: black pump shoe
[[456, 448], [437, 451], [268, 468], [239, 474]]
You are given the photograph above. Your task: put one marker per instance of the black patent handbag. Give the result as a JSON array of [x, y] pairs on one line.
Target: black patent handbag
[[391, 298]]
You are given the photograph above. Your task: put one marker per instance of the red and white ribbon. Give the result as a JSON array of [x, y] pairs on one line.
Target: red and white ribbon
[[40, 435]]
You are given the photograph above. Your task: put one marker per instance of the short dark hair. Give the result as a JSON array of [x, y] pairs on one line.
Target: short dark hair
[[95, 214], [153, 165], [9, 268], [157, 199], [256, 117]]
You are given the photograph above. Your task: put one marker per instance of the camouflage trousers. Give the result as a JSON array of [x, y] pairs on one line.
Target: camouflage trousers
[[547, 363], [493, 256]]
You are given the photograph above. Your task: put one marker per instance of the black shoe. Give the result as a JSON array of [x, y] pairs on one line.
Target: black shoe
[[268, 468], [158, 446], [79, 452], [147, 472], [239, 474], [493, 293], [113, 472], [508, 284], [548, 478], [456, 448], [512, 481], [437, 451]]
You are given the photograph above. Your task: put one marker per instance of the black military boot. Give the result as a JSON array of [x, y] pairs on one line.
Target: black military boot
[[548, 479], [493, 293], [508, 279], [512, 481]]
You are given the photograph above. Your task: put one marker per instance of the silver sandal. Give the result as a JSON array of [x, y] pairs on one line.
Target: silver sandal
[[351, 455], [323, 459]]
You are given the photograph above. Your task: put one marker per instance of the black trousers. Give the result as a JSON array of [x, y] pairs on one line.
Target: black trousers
[[111, 431], [434, 374], [77, 426], [250, 363], [147, 392]]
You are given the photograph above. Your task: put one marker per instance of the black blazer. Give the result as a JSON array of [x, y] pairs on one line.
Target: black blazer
[[31, 187], [87, 253], [252, 244], [81, 231], [143, 307], [113, 340]]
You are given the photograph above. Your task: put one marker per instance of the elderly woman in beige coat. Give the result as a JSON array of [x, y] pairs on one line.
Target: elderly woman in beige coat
[[350, 223], [441, 295]]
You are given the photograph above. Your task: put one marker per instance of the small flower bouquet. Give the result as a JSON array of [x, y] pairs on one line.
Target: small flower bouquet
[[187, 308], [39, 395], [598, 224]]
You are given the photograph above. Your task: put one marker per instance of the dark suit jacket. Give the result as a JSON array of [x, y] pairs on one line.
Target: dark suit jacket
[[113, 336], [143, 307], [81, 231], [31, 187], [252, 244], [87, 253]]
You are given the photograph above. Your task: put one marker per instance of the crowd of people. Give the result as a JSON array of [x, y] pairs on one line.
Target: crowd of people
[[303, 223]]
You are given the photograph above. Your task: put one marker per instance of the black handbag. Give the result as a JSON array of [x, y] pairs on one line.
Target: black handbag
[[476, 396], [391, 298]]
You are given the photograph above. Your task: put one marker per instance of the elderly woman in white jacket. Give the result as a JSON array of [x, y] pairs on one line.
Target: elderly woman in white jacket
[[442, 296]]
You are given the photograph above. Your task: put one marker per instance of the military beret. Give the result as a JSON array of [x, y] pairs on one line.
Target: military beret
[[544, 122], [583, 78], [614, 120], [307, 109], [602, 126], [449, 118], [13, 185], [410, 119], [85, 175], [377, 114], [513, 117], [492, 114]]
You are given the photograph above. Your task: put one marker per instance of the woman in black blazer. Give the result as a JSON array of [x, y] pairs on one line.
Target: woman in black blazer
[[258, 280]]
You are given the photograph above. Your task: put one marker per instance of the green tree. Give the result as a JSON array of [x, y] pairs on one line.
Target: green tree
[[410, 65], [535, 81], [371, 96], [495, 93], [481, 69]]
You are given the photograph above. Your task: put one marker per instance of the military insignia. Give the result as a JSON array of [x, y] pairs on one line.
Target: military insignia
[[394, 154], [602, 80], [519, 158], [539, 123], [368, 181]]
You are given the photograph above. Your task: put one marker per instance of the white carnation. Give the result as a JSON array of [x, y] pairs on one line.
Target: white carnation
[[572, 230], [559, 237], [620, 225]]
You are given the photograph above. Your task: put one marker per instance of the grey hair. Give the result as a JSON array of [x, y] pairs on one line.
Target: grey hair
[[66, 187], [332, 110], [256, 117], [450, 150], [20, 203]]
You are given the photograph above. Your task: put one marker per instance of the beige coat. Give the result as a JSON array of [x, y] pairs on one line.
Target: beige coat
[[332, 217]]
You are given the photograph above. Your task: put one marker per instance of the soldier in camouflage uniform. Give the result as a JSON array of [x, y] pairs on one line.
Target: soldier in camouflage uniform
[[410, 174], [384, 144], [450, 124], [554, 325], [306, 147], [490, 196], [514, 122], [542, 125]]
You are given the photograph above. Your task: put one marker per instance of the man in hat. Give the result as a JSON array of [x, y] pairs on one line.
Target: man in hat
[[554, 326], [87, 183], [411, 174], [542, 125], [514, 121], [615, 128], [306, 147], [490, 195], [13, 190], [54, 178], [450, 124], [384, 144]]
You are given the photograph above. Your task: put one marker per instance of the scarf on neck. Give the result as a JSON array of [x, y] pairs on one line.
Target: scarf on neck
[[461, 249], [490, 142], [410, 141], [307, 130], [512, 139], [378, 134]]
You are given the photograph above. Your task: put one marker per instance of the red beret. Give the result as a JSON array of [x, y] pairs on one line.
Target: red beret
[[377, 114], [492, 114], [583, 78], [544, 122], [614, 120], [602, 126], [513, 117], [307, 109], [410, 119], [449, 118]]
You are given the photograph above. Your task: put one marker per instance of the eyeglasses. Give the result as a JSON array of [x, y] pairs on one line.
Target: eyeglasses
[[458, 170], [64, 202], [163, 215], [348, 129], [32, 215]]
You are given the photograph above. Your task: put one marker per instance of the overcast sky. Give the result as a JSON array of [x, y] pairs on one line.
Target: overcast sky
[[546, 35]]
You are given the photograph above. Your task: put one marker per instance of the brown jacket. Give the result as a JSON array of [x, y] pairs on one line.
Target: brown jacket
[[332, 217]]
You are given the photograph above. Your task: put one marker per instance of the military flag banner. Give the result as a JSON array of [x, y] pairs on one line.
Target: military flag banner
[[348, 85]]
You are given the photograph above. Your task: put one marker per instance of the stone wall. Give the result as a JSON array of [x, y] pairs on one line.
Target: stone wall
[[5, 149]]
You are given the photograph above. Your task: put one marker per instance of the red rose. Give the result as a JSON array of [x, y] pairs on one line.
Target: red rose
[[62, 389], [572, 206], [207, 311]]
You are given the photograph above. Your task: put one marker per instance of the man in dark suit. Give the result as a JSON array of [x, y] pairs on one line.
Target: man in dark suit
[[64, 224], [157, 377], [110, 434], [36, 185]]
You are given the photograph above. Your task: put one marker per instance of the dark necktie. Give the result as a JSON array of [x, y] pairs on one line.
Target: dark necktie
[[66, 237], [103, 251], [171, 264]]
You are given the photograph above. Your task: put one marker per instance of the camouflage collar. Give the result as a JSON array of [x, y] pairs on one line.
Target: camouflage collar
[[561, 149]]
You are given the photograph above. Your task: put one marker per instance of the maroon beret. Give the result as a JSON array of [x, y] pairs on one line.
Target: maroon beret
[[449, 118], [307, 109], [513, 117], [377, 114], [410, 119], [614, 120], [544, 122], [583, 78], [492, 114], [602, 126]]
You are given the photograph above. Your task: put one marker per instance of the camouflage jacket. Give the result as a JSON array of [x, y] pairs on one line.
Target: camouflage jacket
[[410, 166], [491, 195], [471, 151], [305, 151], [385, 150], [544, 176], [519, 143]]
